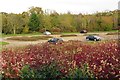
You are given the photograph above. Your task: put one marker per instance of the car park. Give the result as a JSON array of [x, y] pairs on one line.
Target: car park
[[93, 38]]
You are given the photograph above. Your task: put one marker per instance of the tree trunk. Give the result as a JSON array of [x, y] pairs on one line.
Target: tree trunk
[[14, 31]]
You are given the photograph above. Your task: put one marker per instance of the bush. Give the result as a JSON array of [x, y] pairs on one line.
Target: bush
[[113, 33], [27, 73], [46, 71], [49, 71], [82, 72], [107, 27], [90, 34], [70, 35], [26, 29], [56, 33], [102, 57], [42, 30], [56, 30]]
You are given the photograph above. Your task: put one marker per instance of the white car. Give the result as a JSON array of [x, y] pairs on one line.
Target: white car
[[47, 33]]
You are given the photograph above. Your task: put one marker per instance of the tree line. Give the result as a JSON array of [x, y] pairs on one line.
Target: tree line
[[37, 20]]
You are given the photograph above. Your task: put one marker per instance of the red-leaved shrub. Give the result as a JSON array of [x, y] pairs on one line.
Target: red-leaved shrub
[[102, 58]]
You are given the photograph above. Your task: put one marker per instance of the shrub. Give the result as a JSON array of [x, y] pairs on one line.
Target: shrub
[[42, 30], [82, 72], [27, 73], [102, 57], [113, 33], [90, 34], [49, 71], [46, 71], [56, 30], [70, 35], [26, 29]]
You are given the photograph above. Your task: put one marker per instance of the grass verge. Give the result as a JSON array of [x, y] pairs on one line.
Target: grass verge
[[112, 33], [29, 34], [90, 34], [68, 35], [33, 38], [4, 43]]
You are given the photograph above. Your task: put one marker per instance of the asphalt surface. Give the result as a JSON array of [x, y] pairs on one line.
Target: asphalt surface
[[80, 37]]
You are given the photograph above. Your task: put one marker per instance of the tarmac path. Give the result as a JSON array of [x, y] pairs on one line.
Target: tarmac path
[[80, 37]]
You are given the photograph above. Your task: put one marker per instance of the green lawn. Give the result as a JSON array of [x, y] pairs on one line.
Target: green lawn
[[88, 32], [30, 34], [104, 31], [38, 33], [33, 38], [64, 33], [3, 43]]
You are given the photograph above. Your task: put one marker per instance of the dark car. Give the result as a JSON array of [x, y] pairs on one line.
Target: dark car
[[93, 38], [55, 40], [83, 31]]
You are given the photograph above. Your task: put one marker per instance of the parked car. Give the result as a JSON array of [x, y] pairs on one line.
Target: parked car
[[93, 38], [47, 33], [83, 31], [55, 40]]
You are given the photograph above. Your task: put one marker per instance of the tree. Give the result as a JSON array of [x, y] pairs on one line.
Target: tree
[[12, 23], [34, 22], [25, 17], [54, 19], [118, 24], [66, 21], [36, 10], [47, 25], [25, 29], [5, 28], [77, 22], [36, 18]]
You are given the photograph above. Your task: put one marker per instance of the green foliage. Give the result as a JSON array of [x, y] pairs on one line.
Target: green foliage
[[34, 22], [42, 30], [81, 73], [48, 71], [47, 25], [5, 28], [119, 17], [27, 73], [36, 10], [12, 23], [56, 30], [54, 19], [70, 35], [107, 27], [4, 43], [25, 29], [33, 38]]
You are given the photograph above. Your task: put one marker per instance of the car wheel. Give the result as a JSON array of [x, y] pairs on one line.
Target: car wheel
[[95, 39], [87, 39]]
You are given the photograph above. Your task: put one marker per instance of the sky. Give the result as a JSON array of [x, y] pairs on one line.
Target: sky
[[61, 6]]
